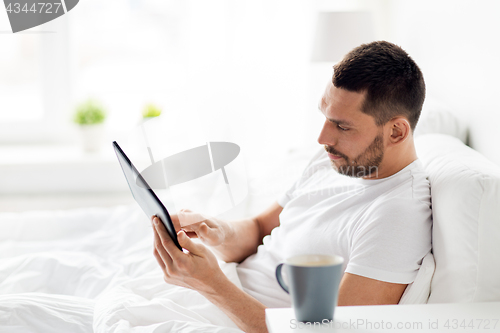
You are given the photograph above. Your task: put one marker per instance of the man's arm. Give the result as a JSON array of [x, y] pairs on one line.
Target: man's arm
[[360, 290], [232, 241]]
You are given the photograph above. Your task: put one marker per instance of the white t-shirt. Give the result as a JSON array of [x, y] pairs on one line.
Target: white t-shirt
[[381, 227]]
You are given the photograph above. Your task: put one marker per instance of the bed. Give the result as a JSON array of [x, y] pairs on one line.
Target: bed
[[92, 269]]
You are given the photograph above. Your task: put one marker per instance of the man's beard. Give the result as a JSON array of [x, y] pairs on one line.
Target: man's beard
[[365, 164]]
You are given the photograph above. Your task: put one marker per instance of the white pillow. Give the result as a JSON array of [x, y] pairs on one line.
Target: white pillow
[[439, 120], [465, 190]]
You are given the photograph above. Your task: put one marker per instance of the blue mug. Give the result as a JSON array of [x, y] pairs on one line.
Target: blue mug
[[313, 285]]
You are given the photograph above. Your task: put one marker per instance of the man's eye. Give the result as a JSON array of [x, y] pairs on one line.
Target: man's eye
[[342, 128]]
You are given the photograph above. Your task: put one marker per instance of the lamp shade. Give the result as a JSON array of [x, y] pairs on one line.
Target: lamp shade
[[337, 33]]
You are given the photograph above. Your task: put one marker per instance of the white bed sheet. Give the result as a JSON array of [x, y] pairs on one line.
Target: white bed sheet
[[93, 270]]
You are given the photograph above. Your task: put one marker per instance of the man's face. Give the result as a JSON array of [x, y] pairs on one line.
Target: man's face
[[354, 143]]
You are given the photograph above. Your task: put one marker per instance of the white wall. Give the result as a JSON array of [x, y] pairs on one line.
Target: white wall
[[222, 70], [456, 44], [243, 72]]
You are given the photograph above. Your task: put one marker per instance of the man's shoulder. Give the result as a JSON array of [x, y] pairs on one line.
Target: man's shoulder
[[420, 187], [407, 193], [411, 184]]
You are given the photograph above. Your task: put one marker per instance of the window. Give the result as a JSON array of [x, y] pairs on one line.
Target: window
[[230, 67], [20, 82], [34, 89]]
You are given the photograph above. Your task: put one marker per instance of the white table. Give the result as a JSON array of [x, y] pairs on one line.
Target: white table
[[456, 317]]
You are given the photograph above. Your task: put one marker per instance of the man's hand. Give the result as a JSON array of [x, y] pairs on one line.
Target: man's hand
[[233, 241], [209, 230], [197, 268]]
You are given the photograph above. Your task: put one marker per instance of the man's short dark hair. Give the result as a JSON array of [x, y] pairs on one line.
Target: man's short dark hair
[[393, 83]]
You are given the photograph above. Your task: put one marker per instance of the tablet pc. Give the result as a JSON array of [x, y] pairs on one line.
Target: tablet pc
[[144, 195]]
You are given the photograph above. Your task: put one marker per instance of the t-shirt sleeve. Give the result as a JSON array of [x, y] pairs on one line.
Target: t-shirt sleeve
[[391, 241], [285, 197]]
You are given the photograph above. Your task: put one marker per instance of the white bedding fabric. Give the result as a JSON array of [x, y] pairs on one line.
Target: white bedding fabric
[[93, 270], [419, 290]]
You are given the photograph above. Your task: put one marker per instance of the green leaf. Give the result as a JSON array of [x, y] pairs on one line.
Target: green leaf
[[151, 111], [89, 112]]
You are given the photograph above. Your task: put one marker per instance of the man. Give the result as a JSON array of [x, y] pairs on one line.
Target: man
[[374, 210]]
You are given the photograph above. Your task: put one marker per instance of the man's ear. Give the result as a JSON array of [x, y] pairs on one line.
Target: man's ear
[[399, 129]]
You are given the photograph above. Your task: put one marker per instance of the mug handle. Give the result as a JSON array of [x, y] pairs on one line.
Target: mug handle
[[280, 278]]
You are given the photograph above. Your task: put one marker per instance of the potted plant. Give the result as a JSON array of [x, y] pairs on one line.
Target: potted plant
[[90, 117], [150, 111]]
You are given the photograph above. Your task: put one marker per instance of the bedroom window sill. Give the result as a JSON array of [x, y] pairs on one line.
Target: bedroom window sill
[[53, 169]]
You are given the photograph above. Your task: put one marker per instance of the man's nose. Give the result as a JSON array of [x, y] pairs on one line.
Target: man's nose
[[327, 135]]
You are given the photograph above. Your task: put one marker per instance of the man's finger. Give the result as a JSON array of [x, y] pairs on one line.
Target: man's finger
[[199, 228], [162, 253], [169, 246], [186, 217], [192, 227], [159, 259], [188, 244], [175, 222], [191, 234]]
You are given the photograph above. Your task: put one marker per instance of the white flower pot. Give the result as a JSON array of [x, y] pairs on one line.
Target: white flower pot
[[92, 137]]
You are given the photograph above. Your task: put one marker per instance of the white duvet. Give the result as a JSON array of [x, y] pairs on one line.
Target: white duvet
[[93, 270]]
